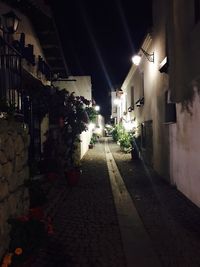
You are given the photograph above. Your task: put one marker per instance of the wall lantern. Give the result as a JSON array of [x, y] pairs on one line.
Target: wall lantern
[[11, 22], [130, 109], [140, 102], [119, 92], [136, 58]]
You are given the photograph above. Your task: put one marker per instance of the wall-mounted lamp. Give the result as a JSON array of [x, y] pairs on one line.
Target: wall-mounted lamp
[[137, 58], [130, 109], [150, 57], [11, 22], [140, 102]]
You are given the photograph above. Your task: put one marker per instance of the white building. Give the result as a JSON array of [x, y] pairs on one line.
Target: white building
[[163, 93]]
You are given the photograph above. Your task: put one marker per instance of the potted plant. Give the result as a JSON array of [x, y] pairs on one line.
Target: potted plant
[[93, 140], [125, 142], [73, 176]]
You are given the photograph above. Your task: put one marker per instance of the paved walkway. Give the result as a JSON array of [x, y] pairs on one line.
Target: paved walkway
[[86, 227], [170, 219], [87, 231], [136, 242]]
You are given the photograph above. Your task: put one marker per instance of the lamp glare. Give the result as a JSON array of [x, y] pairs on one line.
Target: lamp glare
[[136, 60]]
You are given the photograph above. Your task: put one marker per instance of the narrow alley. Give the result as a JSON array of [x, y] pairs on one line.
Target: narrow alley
[[99, 133], [93, 226]]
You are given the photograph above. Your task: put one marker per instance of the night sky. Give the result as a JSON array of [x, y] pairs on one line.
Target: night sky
[[99, 39]]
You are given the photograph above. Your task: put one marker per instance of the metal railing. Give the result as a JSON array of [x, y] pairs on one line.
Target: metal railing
[[10, 76]]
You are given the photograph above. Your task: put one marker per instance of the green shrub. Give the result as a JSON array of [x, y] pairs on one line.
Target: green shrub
[[120, 135], [117, 132], [93, 139], [125, 141]]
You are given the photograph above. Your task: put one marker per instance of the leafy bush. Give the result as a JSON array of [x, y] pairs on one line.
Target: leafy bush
[[125, 141], [120, 135], [92, 113], [93, 139], [117, 132]]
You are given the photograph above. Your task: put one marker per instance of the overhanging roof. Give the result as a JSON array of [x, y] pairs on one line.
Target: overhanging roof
[[46, 32]]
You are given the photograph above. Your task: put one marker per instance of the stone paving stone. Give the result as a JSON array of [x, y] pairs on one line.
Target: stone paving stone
[[86, 227], [171, 220]]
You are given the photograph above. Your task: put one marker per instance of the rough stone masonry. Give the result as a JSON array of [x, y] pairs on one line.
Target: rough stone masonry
[[14, 198]]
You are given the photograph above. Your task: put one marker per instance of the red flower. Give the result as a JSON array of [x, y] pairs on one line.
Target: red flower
[[36, 213]]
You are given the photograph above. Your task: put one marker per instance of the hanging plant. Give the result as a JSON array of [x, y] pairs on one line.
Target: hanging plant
[[68, 112], [92, 113]]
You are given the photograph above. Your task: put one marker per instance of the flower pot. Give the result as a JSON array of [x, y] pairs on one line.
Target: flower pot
[[134, 153], [91, 146], [61, 122], [73, 176], [36, 213], [52, 176]]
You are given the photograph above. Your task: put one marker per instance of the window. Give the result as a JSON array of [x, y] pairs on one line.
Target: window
[[10, 75], [196, 11], [132, 97], [142, 85], [147, 135], [170, 109], [143, 135]]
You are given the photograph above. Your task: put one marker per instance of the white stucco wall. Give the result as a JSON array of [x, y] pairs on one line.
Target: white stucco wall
[[184, 151], [184, 80], [85, 140], [80, 85], [176, 146]]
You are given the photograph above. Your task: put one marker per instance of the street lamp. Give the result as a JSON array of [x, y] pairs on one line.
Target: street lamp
[[137, 58], [97, 108], [11, 22]]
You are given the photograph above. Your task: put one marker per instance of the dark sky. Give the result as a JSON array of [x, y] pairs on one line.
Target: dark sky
[[99, 39]]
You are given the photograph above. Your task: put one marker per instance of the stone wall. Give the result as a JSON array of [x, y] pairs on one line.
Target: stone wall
[[14, 198]]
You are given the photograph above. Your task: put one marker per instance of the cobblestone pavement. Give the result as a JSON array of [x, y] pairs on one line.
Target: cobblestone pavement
[[171, 220], [86, 227]]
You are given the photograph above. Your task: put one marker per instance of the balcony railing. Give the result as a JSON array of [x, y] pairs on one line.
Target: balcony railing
[[10, 76]]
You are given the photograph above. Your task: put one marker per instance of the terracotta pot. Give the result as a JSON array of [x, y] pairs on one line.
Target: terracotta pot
[[73, 176], [36, 213], [61, 122], [91, 146], [52, 176]]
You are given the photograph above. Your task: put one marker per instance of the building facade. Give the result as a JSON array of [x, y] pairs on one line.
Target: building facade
[[162, 95]]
